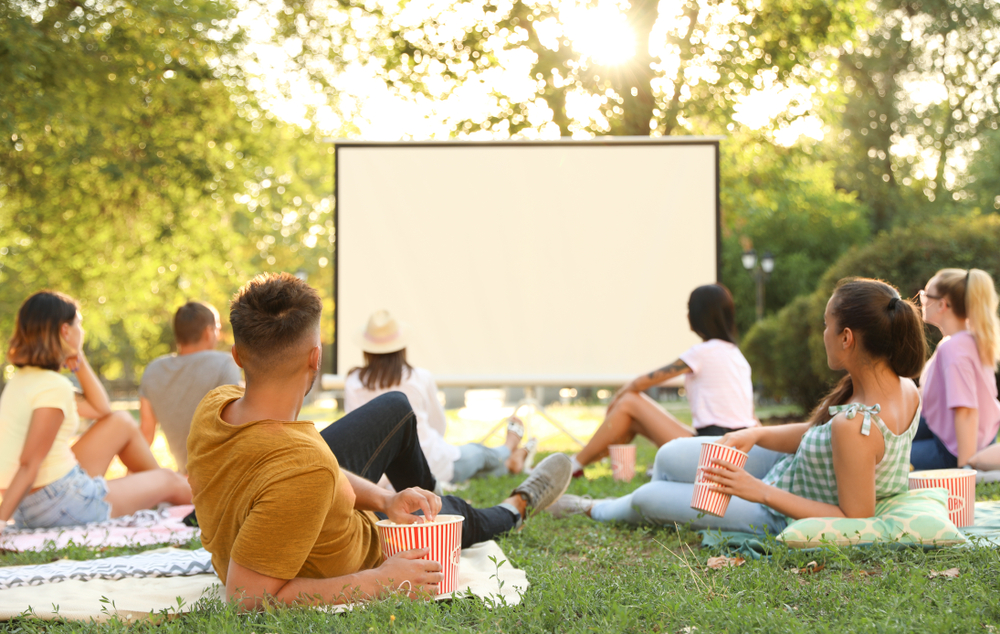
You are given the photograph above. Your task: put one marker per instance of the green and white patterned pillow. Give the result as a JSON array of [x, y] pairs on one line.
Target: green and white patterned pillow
[[918, 517]]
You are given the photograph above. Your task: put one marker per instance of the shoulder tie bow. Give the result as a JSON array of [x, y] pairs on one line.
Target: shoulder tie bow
[[851, 410]]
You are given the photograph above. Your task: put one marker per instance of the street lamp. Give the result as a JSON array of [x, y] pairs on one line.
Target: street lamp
[[760, 274]]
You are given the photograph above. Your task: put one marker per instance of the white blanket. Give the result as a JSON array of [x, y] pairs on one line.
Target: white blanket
[[141, 597]]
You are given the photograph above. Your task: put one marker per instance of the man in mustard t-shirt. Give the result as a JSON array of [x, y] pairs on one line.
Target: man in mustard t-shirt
[[288, 513]]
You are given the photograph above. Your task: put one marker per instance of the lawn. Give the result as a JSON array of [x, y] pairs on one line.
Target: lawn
[[588, 577]]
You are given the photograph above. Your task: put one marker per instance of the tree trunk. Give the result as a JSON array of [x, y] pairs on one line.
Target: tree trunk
[[633, 81]]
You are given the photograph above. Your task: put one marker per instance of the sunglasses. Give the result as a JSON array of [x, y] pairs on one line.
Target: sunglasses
[[923, 296]]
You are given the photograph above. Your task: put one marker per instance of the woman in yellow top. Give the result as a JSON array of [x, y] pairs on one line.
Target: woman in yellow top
[[46, 479]]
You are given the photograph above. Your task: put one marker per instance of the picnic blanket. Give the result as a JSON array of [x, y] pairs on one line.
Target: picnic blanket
[[163, 562], [987, 526], [143, 597], [141, 529], [986, 531]]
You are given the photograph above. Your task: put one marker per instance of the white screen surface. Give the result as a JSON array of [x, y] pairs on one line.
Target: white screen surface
[[564, 260]]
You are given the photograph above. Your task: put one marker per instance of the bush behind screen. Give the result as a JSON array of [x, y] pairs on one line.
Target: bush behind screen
[[786, 350]]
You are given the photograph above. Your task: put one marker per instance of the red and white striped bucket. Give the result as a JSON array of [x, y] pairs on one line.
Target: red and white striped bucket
[[443, 536], [622, 462], [961, 485], [707, 497]]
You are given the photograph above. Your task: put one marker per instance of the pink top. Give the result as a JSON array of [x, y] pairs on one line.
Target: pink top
[[718, 386], [956, 377]]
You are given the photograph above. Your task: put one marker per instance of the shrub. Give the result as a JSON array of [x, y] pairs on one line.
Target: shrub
[[786, 350], [784, 201]]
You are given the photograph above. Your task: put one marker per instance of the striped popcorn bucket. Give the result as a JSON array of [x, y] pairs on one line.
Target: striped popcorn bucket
[[961, 485], [706, 496], [443, 536], [622, 462]]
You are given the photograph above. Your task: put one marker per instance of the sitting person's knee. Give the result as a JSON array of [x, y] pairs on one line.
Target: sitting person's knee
[[627, 400], [674, 460], [396, 403], [123, 419], [175, 487]]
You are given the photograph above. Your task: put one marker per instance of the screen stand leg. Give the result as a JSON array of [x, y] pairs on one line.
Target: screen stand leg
[[535, 406]]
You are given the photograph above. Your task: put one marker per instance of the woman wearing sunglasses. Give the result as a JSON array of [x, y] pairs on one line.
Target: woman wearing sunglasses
[[961, 414]]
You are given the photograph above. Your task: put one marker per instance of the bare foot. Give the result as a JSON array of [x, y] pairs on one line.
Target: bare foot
[[512, 440], [515, 462]]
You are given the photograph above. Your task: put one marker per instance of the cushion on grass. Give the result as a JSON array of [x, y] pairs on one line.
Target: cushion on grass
[[918, 517]]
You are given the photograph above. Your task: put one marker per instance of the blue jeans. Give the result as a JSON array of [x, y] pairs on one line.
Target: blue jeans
[[480, 461], [928, 452], [667, 499], [72, 500], [381, 438]]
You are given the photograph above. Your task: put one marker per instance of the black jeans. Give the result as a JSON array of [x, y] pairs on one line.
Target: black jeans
[[381, 438]]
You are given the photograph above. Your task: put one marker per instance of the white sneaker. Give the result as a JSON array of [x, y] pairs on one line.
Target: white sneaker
[[570, 504]]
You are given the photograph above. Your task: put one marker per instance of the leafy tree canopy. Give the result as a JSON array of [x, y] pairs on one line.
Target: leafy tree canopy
[[137, 170], [692, 61]]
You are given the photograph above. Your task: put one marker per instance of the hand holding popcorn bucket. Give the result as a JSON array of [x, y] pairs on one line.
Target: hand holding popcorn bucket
[[443, 537], [707, 497]]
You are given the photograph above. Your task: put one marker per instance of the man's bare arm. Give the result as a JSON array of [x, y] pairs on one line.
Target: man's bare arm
[[399, 507], [251, 589]]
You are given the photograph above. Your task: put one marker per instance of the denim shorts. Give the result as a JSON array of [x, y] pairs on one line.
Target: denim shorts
[[74, 499]]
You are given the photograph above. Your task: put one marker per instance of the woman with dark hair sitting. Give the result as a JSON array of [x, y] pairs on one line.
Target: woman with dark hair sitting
[[384, 344], [716, 379], [46, 478], [853, 452]]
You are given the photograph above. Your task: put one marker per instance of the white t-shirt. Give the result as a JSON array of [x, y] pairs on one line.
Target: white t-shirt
[[718, 386], [421, 390]]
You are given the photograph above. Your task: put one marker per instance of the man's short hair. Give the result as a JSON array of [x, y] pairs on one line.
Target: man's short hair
[[190, 322], [270, 315]]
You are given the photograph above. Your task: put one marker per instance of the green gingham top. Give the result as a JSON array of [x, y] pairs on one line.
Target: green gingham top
[[809, 471]]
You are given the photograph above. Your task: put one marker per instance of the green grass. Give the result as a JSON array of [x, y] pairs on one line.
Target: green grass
[[590, 577]]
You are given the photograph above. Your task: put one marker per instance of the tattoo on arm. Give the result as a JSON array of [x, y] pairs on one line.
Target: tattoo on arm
[[677, 367]]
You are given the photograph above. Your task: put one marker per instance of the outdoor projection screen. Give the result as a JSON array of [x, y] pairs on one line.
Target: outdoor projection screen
[[526, 263]]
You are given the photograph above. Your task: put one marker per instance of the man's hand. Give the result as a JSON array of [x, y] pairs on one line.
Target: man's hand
[[423, 576], [402, 505]]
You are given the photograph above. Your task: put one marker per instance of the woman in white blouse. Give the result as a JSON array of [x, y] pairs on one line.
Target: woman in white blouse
[[716, 378], [383, 342]]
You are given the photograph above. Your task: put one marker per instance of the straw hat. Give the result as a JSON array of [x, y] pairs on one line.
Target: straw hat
[[383, 334]]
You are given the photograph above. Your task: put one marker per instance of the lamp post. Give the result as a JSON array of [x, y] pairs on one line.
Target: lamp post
[[760, 271]]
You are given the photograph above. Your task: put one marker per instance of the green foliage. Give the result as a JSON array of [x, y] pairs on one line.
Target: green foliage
[[136, 170], [781, 200], [918, 95], [982, 180], [692, 60], [780, 350], [786, 350]]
